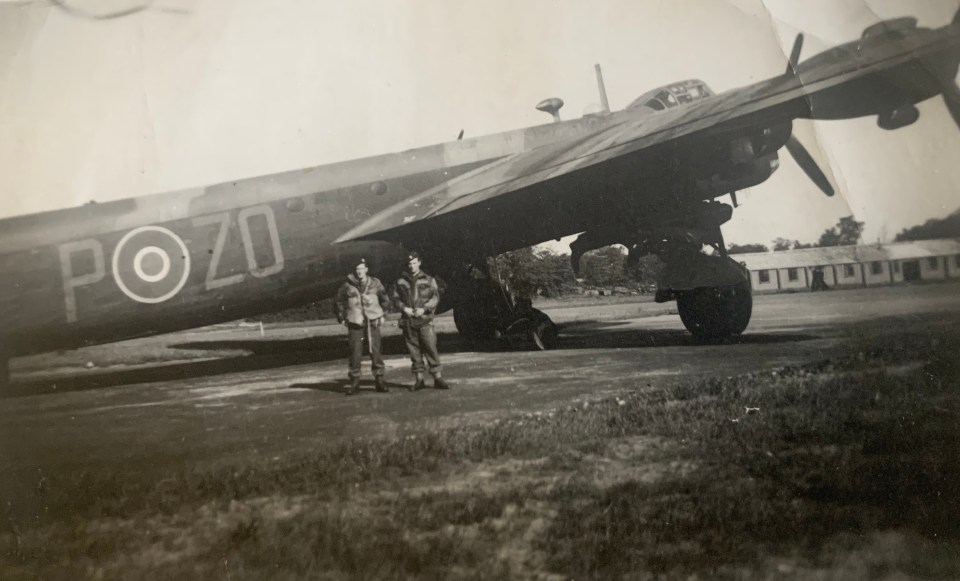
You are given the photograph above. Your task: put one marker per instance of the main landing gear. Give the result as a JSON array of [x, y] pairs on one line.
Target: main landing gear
[[712, 313], [713, 293], [485, 311]]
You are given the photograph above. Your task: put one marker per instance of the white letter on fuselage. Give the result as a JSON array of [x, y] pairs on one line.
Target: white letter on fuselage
[[70, 282], [212, 282], [243, 218]]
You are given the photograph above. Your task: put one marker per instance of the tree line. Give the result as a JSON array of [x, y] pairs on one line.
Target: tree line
[[948, 227], [539, 272], [846, 232]]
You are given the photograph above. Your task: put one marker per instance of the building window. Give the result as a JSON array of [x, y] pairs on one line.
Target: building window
[[956, 261], [848, 271], [792, 274], [876, 268], [764, 276], [934, 263], [896, 267]]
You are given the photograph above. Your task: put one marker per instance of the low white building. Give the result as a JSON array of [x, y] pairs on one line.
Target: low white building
[[845, 266]]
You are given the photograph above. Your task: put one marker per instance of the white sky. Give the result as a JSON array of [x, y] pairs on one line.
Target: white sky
[[195, 92]]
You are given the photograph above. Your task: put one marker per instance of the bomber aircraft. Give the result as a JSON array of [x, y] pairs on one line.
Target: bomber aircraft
[[649, 177]]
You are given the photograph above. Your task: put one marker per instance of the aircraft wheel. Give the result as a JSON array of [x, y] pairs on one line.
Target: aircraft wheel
[[544, 332], [713, 313]]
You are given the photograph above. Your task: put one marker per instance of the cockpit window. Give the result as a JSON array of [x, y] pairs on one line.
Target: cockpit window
[[667, 98], [673, 95]]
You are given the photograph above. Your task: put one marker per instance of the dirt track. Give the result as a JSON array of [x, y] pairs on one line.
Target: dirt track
[[226, 395]]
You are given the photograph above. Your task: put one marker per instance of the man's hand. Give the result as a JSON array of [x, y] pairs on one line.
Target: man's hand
[[418, 312], [408, 311]]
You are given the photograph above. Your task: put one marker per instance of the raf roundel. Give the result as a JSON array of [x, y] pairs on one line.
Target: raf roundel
[[151, 264]]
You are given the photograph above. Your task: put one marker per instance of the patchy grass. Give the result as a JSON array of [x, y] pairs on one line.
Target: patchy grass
[[846, 468]]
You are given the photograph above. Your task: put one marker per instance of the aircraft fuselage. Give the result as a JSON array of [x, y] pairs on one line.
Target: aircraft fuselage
[[140, 266]]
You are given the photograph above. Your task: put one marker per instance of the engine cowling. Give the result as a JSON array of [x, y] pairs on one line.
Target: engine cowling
[[894, 25], [899, 117]]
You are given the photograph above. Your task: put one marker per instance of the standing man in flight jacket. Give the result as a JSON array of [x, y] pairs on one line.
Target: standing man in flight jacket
[[417, 297], [360, 304]]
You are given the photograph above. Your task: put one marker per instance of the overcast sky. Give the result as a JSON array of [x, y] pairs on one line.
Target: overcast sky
[[195, 92]]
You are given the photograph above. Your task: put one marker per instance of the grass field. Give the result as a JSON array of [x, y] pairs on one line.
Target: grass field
[[846, 468]]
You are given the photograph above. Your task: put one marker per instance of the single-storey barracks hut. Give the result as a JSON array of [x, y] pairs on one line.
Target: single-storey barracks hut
[[854, 266]]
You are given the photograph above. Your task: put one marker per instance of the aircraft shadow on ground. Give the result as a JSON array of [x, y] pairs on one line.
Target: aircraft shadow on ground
[[267, 354]]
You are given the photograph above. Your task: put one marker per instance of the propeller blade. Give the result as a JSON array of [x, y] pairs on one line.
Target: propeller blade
[[951, 97], [951, 92], [795, 54], [808, 165]]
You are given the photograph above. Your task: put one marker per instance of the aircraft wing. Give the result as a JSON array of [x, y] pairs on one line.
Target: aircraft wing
[[549, 179]]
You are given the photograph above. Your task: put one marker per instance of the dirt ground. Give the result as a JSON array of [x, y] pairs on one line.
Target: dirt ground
[[229, 393]]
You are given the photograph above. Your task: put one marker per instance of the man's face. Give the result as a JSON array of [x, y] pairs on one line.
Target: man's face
[[414, 265], [361, 272]]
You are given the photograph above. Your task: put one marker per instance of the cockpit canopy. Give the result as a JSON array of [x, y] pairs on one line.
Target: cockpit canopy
[[672, 95]]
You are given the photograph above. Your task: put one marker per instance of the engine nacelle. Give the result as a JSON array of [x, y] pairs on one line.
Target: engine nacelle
[[738, 177], [899, 117], [895, 25]]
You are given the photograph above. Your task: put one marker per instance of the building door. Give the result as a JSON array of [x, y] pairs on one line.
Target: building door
[[911, 270]]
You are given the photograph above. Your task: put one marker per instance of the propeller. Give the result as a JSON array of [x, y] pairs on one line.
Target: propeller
[[808, 165], [951, 92], [951, 98], [796, 149], [795, 55]]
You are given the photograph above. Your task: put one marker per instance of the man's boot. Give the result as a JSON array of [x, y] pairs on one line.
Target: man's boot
[[439, 383], [353, 387], [419, 383], [380, 384]]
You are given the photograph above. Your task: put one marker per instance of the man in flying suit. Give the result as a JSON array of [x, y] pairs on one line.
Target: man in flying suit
[[416, 297], [360, 303]]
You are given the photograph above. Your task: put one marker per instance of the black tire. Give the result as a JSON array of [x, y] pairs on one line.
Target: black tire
[[713, 313]]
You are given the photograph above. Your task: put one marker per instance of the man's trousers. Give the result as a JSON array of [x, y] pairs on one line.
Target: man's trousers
[[355, 336], [422, 344]]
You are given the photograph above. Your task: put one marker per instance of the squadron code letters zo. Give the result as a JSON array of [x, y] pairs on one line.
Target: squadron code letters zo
[[151, 264]]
